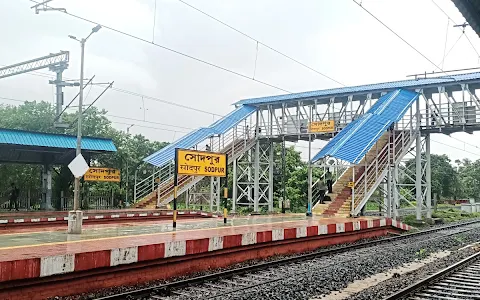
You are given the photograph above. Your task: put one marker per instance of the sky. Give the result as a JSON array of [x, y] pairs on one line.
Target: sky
[[334, 37]]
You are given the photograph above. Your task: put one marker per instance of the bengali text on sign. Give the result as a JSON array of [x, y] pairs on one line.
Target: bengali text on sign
[[321, 126], [102, 174], [191, 162]]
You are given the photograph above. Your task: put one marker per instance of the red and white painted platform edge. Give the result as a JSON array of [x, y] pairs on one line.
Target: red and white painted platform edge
[[102, 216], [82, 256]]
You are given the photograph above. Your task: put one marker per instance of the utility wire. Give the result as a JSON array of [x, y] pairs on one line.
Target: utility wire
[[171, 50], [456, 148], [446, 40], [46, 75], [465, 143], [261, 43], [161, 100], [454, 23], [151, 122], [127, 118], [454, 44], [396, 34], [150, 127]]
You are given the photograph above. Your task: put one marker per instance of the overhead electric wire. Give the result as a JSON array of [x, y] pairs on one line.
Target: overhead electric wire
[[261, 43], [465, 143], [454, 44], [127, 118], [161, 100], [135, 94], [151, 127], [151, 122], [396, 34], [454, 23], [170, 49], [477, 154]]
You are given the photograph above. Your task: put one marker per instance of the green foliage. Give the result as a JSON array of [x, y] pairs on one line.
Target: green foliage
[[39, 116], [421, 253]]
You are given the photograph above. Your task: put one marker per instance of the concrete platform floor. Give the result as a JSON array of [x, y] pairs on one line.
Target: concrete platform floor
[[17, 237]]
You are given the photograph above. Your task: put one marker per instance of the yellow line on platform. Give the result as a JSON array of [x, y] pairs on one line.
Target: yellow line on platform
[[137, 235]]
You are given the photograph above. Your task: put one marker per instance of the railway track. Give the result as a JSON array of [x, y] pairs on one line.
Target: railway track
[[218, 285], [458, 281]]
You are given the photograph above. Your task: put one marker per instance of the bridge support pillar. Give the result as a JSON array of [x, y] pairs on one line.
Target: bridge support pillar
[[215, 194], [256, 180], [428, 177]]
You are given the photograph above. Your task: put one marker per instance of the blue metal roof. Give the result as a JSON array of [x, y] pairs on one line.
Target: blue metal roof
[[406, 84], [167, 154], [232, 119], [40, 139], [358, 137]]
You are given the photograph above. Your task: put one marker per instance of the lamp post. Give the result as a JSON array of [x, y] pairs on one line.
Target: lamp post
[[77, 219]]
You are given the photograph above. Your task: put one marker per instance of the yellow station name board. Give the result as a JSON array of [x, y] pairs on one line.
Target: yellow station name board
[[321, 126], [102, 174], [192, 162]]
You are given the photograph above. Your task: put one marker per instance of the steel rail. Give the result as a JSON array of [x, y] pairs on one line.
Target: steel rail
[[167, 287], [425, 283]]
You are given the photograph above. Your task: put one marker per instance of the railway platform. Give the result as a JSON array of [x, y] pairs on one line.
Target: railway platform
[[113, 254], [48, 218]]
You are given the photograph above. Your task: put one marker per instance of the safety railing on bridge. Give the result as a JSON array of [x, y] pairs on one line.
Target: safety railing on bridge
[[233, 143], [376, 170]]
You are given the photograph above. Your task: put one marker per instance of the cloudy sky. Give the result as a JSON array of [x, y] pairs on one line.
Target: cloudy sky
[[335, 37]]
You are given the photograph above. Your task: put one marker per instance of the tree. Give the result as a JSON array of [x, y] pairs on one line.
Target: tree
[[445, 180], [39, 116]]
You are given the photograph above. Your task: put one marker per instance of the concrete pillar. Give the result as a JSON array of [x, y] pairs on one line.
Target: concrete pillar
[[47, 187], [75, 220]]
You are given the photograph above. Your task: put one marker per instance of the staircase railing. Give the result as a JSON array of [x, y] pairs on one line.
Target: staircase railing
[[391, 153], [162, 179]]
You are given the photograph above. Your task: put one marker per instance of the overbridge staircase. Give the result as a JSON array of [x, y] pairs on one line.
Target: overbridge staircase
[[369, 173], [234, 144], [371, 144]]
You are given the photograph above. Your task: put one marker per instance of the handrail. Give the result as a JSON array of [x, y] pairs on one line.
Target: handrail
[[162, 176], [368, 179]]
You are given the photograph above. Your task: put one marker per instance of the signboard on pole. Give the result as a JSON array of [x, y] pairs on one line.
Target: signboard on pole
[[321, 126], [200, 163], [78, 166], [102, 174]]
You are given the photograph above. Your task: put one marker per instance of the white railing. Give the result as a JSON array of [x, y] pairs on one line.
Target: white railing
[[375, 171], [161, 181]]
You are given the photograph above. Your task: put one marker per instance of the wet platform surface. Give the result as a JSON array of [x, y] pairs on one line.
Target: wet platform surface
[[6, 214], [40, 236]]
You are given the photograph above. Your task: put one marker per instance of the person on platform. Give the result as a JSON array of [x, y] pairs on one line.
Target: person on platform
[[328, 178], [13, 196], [207, 147], [322, 191]]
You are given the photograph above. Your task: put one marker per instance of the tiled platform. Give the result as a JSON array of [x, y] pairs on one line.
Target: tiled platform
[[51, 252], [8, 219]]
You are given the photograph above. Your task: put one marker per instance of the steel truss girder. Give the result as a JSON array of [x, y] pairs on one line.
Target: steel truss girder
[[52, 60], [255, 176]]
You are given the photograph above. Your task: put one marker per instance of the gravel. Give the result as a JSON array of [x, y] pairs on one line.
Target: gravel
[[400, 282], [322, 276]]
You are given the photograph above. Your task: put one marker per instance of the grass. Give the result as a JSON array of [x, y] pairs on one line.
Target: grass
[[449, 215]]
